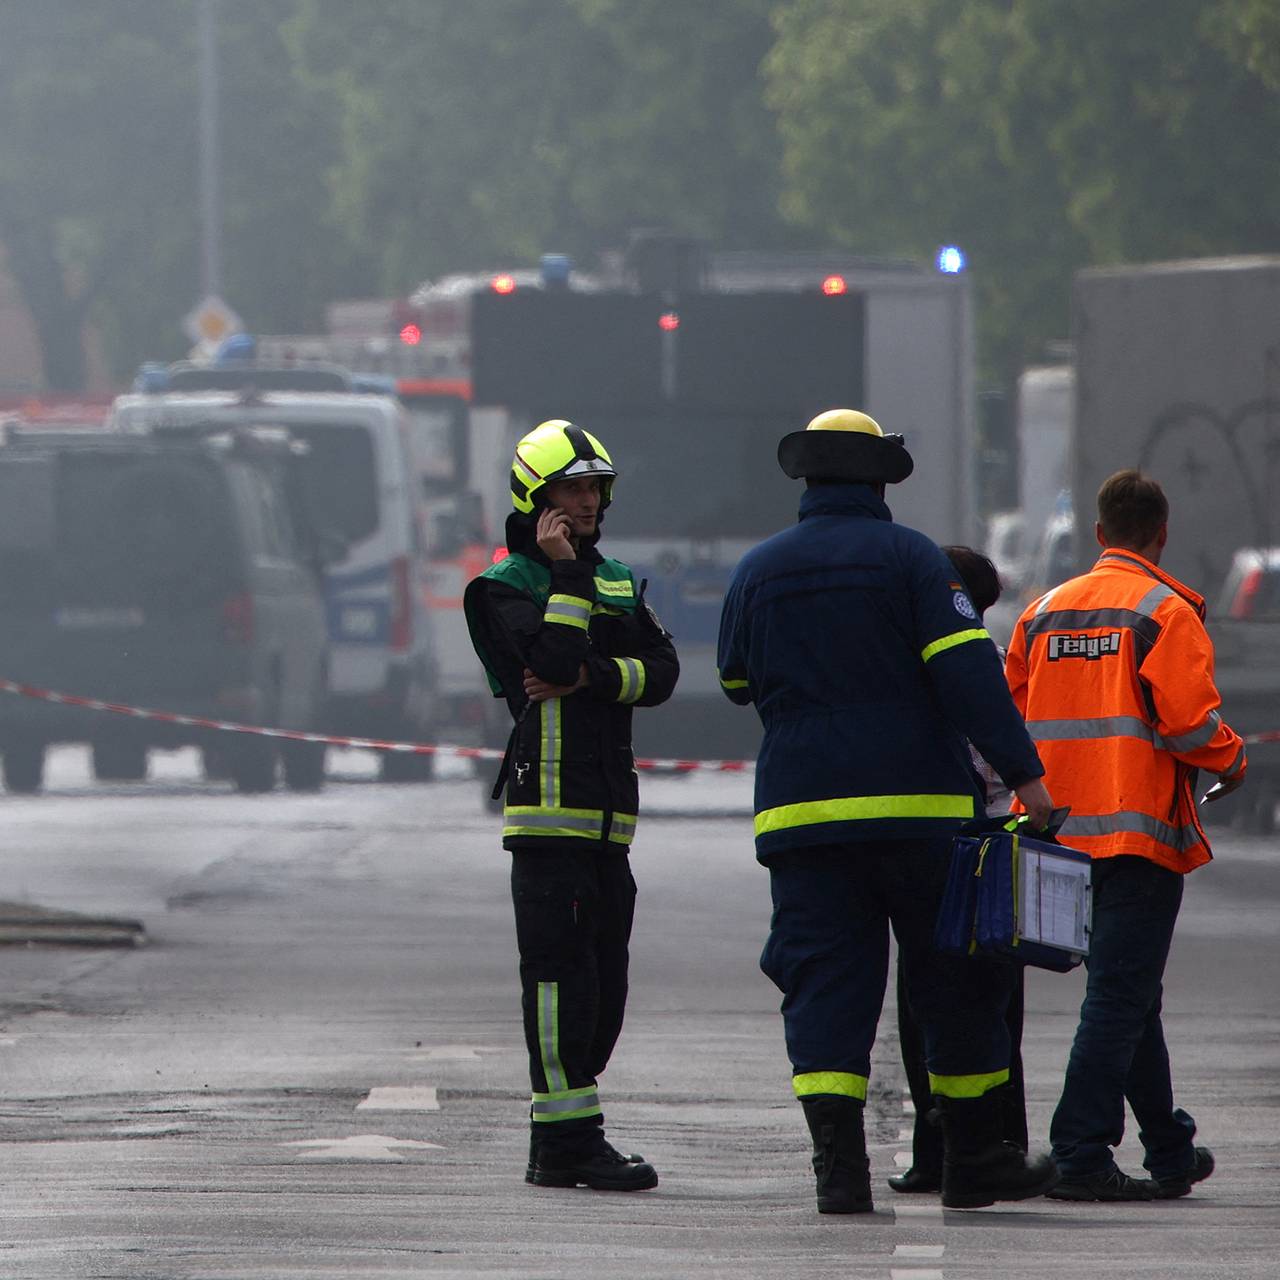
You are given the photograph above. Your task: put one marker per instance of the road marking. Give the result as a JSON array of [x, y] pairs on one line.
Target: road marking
[[902, 1159], [914, 1273], [918, 1211], [361, 1146], [400, 1098], [918, 1250]]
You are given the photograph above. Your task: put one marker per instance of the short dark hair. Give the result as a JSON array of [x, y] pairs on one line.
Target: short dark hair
[[979, 575], [1132, 509]]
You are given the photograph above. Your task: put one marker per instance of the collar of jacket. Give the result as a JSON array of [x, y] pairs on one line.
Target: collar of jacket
[[843, 500], [1132, 562], [522, 539]]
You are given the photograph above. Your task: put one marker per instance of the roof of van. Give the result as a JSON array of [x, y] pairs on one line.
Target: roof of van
[[188, 405]]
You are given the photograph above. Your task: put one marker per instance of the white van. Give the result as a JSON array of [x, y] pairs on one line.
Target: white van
[[383, 668]]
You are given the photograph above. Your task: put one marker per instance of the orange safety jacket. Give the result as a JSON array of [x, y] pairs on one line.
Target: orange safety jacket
[[1113, 673]]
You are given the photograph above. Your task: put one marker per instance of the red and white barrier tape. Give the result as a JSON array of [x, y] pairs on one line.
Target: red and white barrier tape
[[332, 740]]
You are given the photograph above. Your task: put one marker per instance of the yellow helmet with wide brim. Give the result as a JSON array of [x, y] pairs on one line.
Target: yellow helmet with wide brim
[[844, 444]]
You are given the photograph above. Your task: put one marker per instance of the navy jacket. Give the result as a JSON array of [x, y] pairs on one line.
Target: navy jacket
[[869, 668]]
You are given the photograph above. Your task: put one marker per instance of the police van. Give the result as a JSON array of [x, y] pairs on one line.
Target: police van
[[383, 665]]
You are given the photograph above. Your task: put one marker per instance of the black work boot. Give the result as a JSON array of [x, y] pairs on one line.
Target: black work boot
[[925, 1174], [839, 1153], [977, 1167], [593, 1163], [633, 1158]]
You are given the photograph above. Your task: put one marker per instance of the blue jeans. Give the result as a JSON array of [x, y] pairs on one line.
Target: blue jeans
[[1119, 1052]]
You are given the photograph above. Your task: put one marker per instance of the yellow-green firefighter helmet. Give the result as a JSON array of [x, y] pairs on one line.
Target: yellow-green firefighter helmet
[[558, 450]]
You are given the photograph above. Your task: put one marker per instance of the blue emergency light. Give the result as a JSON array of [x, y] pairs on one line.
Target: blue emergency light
[[950, 260]]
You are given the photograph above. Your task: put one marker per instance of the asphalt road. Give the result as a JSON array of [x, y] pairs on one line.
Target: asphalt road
[[314, 1068]]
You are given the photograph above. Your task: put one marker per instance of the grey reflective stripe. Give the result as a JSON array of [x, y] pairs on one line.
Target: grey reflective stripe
[[1197, 737], [1236, 765], [1147, 629], [589, 1101], [1097, 727], [623, 827], [632, 679], [550, 780], [553, 821], [1129, 822], [1044, 602], [549, 1035], [560, 608], [1149, 603]]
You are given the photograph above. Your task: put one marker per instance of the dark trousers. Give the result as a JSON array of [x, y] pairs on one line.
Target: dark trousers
[[1119, 1051], [574, 908], [828, 952], [926, 1137]]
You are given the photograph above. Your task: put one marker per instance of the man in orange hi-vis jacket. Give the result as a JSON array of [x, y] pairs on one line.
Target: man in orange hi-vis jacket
[[1113, 672]]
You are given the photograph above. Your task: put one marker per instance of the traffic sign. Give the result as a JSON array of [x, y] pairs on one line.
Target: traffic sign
[[211, 320]]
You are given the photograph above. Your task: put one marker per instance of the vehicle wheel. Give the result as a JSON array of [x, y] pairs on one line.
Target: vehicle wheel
[[213, 764], [402, 766], [23, 767], [252, 765], [303, 765], [115, 761]]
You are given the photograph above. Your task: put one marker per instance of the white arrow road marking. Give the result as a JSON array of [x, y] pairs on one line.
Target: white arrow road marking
[[401, 1098], [918, 1250], [361, 1146]]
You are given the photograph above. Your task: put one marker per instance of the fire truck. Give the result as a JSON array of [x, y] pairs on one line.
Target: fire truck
[[690, 365]]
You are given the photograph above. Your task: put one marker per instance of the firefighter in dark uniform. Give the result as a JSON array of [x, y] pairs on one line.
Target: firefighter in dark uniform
[[869, 668], [567, 639]]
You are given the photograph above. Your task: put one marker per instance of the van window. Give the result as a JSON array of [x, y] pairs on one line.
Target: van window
[[342, 476]]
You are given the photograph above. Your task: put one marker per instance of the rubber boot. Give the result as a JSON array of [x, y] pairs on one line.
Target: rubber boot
[[633, 1158], [978, 1168], [925, 1174], [839, 1154], [591, 1163]]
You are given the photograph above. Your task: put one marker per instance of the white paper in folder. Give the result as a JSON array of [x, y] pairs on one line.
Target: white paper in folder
[[1055, 900]]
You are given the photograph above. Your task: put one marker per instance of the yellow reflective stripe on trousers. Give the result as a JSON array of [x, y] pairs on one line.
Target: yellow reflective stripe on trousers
[[571, 611], [537, 820], [631, 671], [731, 684], [549, 771], [967, 1086], [549, 1035], [950, 642], [842, 1083], [564, 1104], [862, 809]]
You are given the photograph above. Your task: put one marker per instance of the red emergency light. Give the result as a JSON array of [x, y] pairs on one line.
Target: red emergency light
[[411, 335], [833, 286], [503, 284], [668, 322]]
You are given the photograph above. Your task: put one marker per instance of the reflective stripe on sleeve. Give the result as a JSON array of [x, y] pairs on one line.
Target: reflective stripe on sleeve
[[632, 672], [1237, 764], [950, 642], [569, 611], [967, 1086], [622, 828], [861, 808], [1197, 737], [843, 1084], [564, 1104]]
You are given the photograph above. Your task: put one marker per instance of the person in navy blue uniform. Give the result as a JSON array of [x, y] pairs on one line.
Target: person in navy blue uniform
[[869, 667]]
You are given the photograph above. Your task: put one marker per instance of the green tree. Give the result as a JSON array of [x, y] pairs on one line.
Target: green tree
[[496, 131]]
